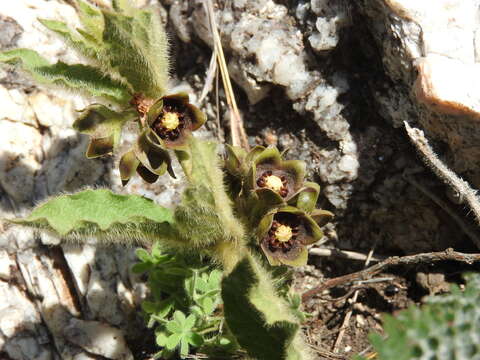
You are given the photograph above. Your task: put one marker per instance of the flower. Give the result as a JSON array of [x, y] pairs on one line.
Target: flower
[[284, 235], [269, 171], [166, 124], [172, 118]]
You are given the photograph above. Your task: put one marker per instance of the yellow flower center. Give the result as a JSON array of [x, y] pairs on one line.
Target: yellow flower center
[[283, 233], [170, 121], [273, 183]]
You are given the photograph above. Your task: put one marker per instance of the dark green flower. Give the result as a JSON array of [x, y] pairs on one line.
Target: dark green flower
[[269, 171], [172, 118], [284, 235], [147, 158]]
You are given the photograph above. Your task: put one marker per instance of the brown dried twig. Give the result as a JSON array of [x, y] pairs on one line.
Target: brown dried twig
[[371, 271], [463, 189]]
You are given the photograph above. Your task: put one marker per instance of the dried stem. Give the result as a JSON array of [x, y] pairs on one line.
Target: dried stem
[[438, 167], [346, 320], [239, 137], [351, 255], [367, 273]]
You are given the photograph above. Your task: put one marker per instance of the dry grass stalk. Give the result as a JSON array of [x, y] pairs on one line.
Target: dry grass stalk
[[237, 130]]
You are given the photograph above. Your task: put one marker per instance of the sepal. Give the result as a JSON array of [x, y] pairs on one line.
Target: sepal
[[104, 127]]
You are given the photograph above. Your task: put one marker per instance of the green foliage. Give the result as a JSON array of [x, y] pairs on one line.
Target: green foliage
[[447, 327], [184, 305], [190, 307], [75, 77], [136, 47], [128, 49], [257, 316], [102, 214], [206, 215]]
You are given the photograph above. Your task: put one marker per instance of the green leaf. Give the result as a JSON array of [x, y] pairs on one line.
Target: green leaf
[[174, 326], [142, 267], [172, 341], [84, 45], [205, 215], [446, 327], [257, 316], [179, 317], [136, 48], [103, 214], [161, 339], [189, 322], [195, 339], [91, 19], [123, 6], [75, 77], [208, 306], [143, 255]]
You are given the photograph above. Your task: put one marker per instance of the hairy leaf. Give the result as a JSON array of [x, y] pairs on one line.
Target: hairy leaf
[[75, 77], [446, 327], [257, 316], [92, 21], [85, 45], [102, 214], [136, 48]]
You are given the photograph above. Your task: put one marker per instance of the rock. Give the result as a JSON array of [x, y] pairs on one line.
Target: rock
[[267, 49], [10, 31], [434, 283], [429, 51], [97, 338], [448, 86]]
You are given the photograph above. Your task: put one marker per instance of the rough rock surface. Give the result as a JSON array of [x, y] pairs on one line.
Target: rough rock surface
[[57, 300], [331, 80], [430, 50]]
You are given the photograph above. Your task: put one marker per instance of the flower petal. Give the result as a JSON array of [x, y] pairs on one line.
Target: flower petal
[[100, 147], [152, 156], [297, 257], [197, 116], [269, 155], [321, 217], [99, 121], [261, 202], [306, 198], [297, 168], [146, 174], [127, 166]]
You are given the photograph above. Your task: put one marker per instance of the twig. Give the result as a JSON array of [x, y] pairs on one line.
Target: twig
[[239, 137], [445, 208], [352, 255], [367, 273], [346, 320], [448, 176]]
